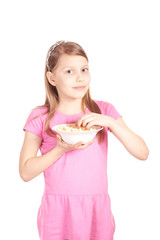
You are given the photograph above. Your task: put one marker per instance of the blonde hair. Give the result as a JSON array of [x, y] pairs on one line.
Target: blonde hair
[[52, 98]]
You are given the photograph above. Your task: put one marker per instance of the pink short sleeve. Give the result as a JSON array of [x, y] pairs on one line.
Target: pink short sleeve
[[34, 123], [112, 111]]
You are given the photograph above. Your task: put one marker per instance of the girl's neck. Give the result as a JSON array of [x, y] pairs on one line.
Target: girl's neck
[[72, 109]]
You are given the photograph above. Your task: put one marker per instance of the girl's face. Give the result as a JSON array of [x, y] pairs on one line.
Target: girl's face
[[71, 72]]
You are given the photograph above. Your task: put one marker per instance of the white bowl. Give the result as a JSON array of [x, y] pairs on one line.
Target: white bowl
[[76, 135]]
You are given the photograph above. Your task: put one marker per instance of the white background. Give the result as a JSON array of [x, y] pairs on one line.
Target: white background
[[121, 39]]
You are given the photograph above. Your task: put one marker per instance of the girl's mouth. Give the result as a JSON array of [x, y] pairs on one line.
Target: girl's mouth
[[79, 88]]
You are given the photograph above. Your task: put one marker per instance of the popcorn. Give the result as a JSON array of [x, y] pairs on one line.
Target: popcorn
[[74, 128]]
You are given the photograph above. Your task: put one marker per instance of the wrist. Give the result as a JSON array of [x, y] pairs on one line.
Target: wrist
[[110, 122], [60, 150]]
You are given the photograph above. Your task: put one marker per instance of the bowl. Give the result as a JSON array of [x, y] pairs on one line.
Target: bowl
[[71, 134]]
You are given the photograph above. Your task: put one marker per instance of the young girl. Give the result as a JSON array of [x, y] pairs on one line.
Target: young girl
[[75, 204]]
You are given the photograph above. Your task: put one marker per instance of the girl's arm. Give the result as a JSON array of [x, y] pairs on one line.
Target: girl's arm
[[134, 144], [31, 165]]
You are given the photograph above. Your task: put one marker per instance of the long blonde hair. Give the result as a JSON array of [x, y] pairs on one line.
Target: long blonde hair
[[52, 98]]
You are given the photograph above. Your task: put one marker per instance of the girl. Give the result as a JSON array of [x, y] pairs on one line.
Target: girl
[[75, 204]]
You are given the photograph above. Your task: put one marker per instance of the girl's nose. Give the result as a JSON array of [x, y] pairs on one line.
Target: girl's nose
[[79, 77]]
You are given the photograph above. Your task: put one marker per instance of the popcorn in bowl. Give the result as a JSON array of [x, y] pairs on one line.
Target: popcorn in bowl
[[71, 134]]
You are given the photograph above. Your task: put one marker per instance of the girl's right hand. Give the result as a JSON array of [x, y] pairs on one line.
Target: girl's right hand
[[68, 147]]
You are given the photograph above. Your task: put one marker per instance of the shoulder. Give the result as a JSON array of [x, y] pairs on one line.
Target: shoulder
[[103, 105], [108, 109], [40, 110], [38, 113]]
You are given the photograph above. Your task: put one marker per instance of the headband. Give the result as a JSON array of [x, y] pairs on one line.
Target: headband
[[50, 52]]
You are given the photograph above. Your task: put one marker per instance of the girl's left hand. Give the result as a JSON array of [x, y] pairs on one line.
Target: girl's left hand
[[90, 119]]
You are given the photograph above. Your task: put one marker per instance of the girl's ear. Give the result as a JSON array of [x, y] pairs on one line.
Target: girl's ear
[[50, 78]]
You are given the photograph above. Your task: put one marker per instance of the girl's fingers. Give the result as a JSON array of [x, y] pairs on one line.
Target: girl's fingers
[[82, 146], [58, 138], [79, 145], [80, 121]]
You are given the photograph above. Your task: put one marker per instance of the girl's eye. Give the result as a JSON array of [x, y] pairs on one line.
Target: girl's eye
[[84, 69], [69, 71]]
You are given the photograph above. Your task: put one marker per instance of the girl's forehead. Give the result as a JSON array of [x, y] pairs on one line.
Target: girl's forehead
[[66, 59]]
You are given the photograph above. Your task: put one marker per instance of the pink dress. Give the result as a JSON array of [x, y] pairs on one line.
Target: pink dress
[[75, 204]]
